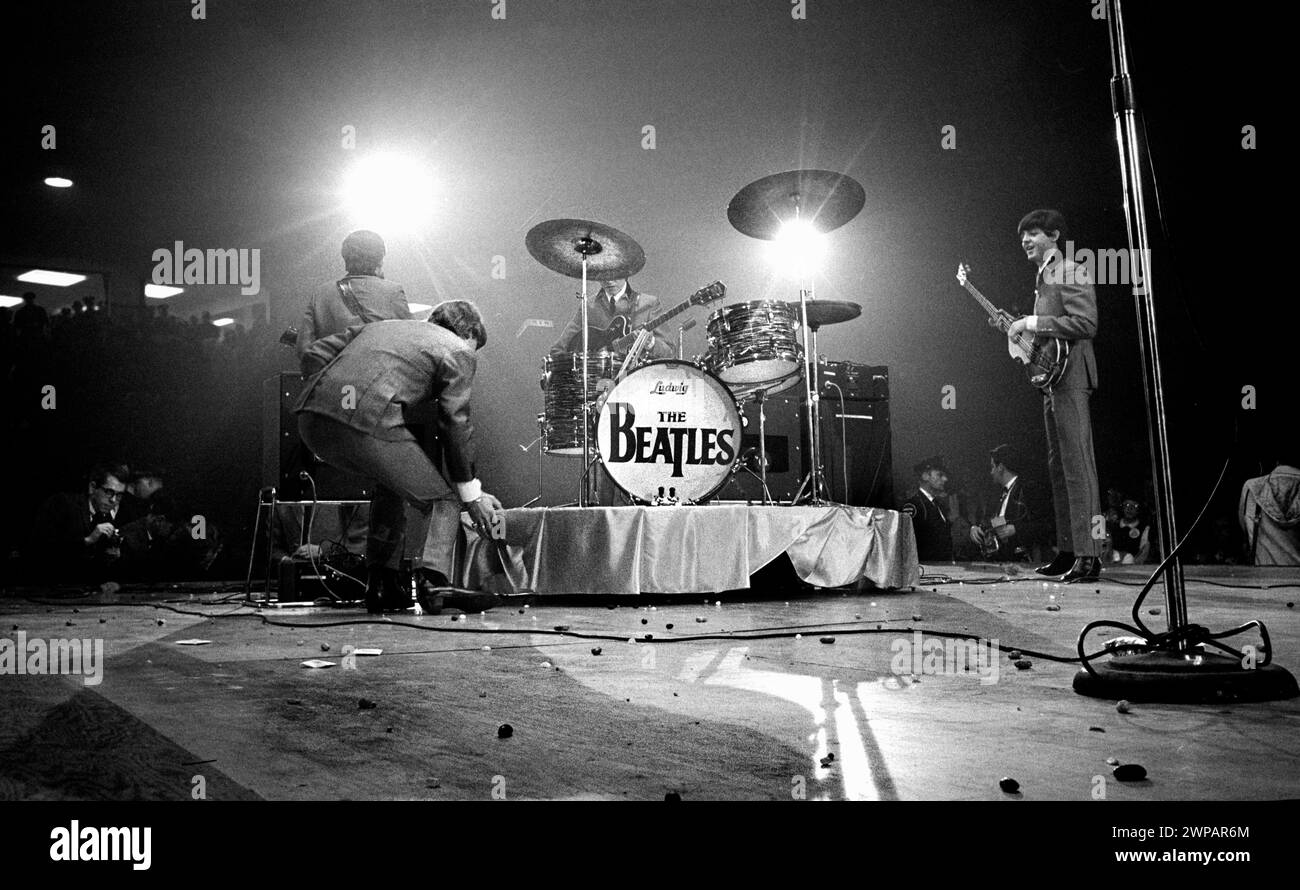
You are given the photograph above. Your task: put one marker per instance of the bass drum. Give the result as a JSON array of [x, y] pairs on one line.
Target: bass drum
[[669, 431]]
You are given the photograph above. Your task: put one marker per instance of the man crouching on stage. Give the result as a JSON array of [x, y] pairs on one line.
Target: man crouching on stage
[[351, 415]]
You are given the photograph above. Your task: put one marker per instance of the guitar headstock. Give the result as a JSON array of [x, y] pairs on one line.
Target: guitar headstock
[[963, 273], [715, 291]]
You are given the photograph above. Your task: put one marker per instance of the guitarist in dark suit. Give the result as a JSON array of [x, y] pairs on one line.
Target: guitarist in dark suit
[[1065, 307], [1023, 519], [615, 299], [359, 297]]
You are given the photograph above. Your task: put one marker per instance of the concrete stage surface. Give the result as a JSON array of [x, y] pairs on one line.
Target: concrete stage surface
[[722, 702]]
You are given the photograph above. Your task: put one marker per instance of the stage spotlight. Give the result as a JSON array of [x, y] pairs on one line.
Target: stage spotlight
[[798, 249], [58, 182], [388, 193], [161, 291], [7, 302], [55, 279], [222, 322]]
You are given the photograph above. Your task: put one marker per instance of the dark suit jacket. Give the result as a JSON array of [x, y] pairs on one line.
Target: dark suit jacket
[[1030, 510], [930, 522], [646, 307], [326, 313], [58, 538], [1066, 305], [394, 365]]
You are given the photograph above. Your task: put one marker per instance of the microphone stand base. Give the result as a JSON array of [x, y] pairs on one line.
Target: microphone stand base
[[1191, 679]]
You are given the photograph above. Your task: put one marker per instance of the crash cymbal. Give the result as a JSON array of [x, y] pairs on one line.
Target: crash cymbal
[[826, 200], [559, 245], [824, 312]]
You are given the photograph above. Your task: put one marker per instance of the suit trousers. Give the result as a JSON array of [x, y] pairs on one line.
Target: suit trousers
[[1072, 466], [402, 473]]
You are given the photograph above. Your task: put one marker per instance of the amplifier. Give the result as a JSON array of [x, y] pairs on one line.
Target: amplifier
[[284, 455], [859, 382]]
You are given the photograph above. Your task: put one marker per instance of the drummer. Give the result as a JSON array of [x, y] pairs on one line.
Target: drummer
[[615, 298]]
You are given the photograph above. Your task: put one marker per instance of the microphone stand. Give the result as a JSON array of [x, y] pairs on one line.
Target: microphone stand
[[1174, 666]]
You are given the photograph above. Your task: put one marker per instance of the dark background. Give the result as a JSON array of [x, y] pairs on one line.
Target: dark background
[[226, 133]]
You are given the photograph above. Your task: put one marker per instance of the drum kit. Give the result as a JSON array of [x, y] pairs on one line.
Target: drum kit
[[669, 431]]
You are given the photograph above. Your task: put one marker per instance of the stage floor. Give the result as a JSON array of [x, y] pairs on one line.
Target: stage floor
[[699, 709]]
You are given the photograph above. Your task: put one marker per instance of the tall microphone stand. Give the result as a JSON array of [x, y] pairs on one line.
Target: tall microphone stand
[[1173, 666]]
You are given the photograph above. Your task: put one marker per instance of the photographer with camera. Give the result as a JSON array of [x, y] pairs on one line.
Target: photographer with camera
[[75, 536]]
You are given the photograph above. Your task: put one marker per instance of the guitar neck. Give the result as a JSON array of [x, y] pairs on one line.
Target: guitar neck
[[663, 317], [993, 311]]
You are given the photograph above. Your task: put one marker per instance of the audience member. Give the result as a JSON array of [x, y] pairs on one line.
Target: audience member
[[929, 512], [1269, 513]]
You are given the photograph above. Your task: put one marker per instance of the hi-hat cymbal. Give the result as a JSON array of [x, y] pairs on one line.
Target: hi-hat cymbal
[[824, 199], [824, 312], [560, 244]]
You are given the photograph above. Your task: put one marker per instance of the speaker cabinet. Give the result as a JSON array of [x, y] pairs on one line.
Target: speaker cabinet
[[857, 457], [785, 450], [284, 455]]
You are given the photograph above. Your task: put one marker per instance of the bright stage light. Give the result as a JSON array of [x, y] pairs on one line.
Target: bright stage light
[[222, 322], [58, 182], [6, 302], [389, 194], [798, 249], [57, 279], [161, 291]]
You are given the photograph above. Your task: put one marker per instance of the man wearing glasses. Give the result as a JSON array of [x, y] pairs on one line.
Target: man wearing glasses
[[75, 535]]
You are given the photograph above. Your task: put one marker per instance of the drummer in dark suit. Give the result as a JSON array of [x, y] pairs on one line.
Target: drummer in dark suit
[[928, 508]]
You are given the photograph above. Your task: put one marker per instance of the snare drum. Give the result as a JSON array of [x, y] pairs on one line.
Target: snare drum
[[560, 424], [755, 343], [669, 430]]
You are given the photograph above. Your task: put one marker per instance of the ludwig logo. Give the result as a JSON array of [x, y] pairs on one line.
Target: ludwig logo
[[662, 389]]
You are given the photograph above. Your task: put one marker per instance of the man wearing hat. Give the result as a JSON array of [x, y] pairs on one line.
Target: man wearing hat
[[928, 508]]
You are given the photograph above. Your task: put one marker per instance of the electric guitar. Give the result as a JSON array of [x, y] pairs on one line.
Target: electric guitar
[[1045, 358], [620, 335]]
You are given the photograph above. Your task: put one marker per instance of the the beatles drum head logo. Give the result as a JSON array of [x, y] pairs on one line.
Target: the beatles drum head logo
[[668, 426]]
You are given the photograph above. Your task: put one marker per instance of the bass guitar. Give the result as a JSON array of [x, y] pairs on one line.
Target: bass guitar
[[1045, 358]]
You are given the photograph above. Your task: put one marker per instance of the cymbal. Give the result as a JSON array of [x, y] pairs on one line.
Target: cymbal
[[824, 312], [559, 245], [826, 200]]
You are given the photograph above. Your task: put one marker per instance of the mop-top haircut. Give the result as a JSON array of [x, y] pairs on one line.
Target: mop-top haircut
[[363, 252], [1048, 221], [462, 318]]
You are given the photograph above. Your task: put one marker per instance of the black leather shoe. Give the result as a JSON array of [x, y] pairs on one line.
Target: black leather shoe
[[470, 600], [1085, 568], [384, 591], [430, 590], [375, 590], [1063, 563]]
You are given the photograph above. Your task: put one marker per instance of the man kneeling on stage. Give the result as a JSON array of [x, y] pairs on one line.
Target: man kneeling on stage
[[351, 416]]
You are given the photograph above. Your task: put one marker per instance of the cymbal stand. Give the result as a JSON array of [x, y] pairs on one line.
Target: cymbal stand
[[586, 247], [813, 480]]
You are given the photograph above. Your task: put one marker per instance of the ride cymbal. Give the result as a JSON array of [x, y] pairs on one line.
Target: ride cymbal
[[560, 244]]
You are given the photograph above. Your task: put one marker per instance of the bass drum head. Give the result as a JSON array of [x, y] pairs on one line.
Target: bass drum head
[[669, 429]]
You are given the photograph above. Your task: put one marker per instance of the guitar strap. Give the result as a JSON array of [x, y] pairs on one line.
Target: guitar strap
[[354, 305]]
